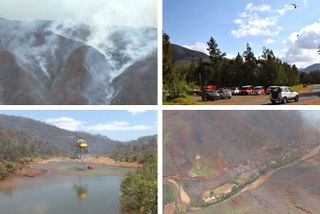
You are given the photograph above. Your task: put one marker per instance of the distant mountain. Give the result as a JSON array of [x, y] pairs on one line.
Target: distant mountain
[[54, 136], [183, 56], [314, 67], [46, 62], [221, 140]]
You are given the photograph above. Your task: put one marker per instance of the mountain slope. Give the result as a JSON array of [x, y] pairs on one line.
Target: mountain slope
[[183, 56], [46, 62], [141, 76], [57, 137], [314, 67], [227, 140]]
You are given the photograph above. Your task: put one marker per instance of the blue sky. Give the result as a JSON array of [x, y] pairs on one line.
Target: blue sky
[[274, 24], [117, 125]]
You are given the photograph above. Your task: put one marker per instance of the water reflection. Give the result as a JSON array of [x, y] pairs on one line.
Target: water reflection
[[81, 190]]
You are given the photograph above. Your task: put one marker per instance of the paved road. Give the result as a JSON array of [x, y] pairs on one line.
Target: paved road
[[312, 98]]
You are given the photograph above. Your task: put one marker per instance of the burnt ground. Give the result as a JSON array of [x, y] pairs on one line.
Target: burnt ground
[[294, 189]]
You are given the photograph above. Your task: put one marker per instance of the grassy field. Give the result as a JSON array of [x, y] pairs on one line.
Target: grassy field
[[202, 171], [301, 90]]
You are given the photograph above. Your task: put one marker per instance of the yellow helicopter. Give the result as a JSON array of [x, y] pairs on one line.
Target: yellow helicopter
[[81, 146], [81, 143]]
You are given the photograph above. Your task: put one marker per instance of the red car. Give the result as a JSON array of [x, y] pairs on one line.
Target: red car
[[209, 87], [246, 90], [270, 88], [259, 90]]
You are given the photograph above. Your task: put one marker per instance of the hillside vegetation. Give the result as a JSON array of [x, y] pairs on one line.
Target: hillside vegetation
[[140, 150], [61, 138], [17, 148], [139, 189]]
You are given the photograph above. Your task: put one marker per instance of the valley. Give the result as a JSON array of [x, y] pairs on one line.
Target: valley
[[230, 187]]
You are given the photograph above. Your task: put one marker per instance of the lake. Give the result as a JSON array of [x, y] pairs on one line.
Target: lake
[[66, 188]]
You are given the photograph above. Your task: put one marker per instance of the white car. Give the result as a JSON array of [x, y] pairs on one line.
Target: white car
[[283, 94], [235, 90]]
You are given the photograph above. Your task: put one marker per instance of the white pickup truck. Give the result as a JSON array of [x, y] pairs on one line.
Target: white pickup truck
[[283, 94]]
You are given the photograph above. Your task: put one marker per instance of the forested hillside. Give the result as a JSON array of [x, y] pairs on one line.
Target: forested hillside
[[18, 147], [61, 138], [140, 150], [245, 68]]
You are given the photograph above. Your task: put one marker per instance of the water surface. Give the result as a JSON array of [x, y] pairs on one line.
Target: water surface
[[66, 188]]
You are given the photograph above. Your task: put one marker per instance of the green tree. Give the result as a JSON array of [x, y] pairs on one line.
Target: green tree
[[250, 66], [173, 83], [139, 190], [217, 62]]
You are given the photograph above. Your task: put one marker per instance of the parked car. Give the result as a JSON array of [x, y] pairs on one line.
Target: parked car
[[270, 88], [235, 91], [221, 93], [209, 87], [283, 94], [246, 90], [259, 90], [210, 95], [224, 93]]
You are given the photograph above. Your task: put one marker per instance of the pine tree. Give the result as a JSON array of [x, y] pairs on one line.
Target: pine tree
[[250, 66], [173, 83], [217, 62]]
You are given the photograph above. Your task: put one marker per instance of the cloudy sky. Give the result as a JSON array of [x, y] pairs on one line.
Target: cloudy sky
[[94, 12], [117, 125], [274, 24]]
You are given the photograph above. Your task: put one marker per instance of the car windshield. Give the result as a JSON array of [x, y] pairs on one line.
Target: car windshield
[[258, 88], [245, 88]]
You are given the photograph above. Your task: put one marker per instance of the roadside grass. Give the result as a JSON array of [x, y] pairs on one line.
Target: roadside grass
[[302, 90], [182, 101], [169, 194]]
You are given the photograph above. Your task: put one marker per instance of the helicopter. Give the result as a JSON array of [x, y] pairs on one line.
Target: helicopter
[[81, 147]]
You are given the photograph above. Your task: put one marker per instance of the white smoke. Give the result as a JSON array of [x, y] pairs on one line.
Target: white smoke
[[118, 29], [97, 13]]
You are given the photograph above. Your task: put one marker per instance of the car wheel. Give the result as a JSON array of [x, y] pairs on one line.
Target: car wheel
[[284, 101], [203, 99], [296, 98], [274, 102]]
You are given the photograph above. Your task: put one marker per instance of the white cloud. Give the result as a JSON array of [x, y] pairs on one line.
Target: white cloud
[[118, 126], [136, 111], [301, 47], [269, 41], [231, 56], [72, 124], [198, 46], [261, 8], [66, 123], [259, 20], [284, 10]]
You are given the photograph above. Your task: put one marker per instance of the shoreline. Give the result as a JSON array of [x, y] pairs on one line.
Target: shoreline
[[91, 160], [29, 171]]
